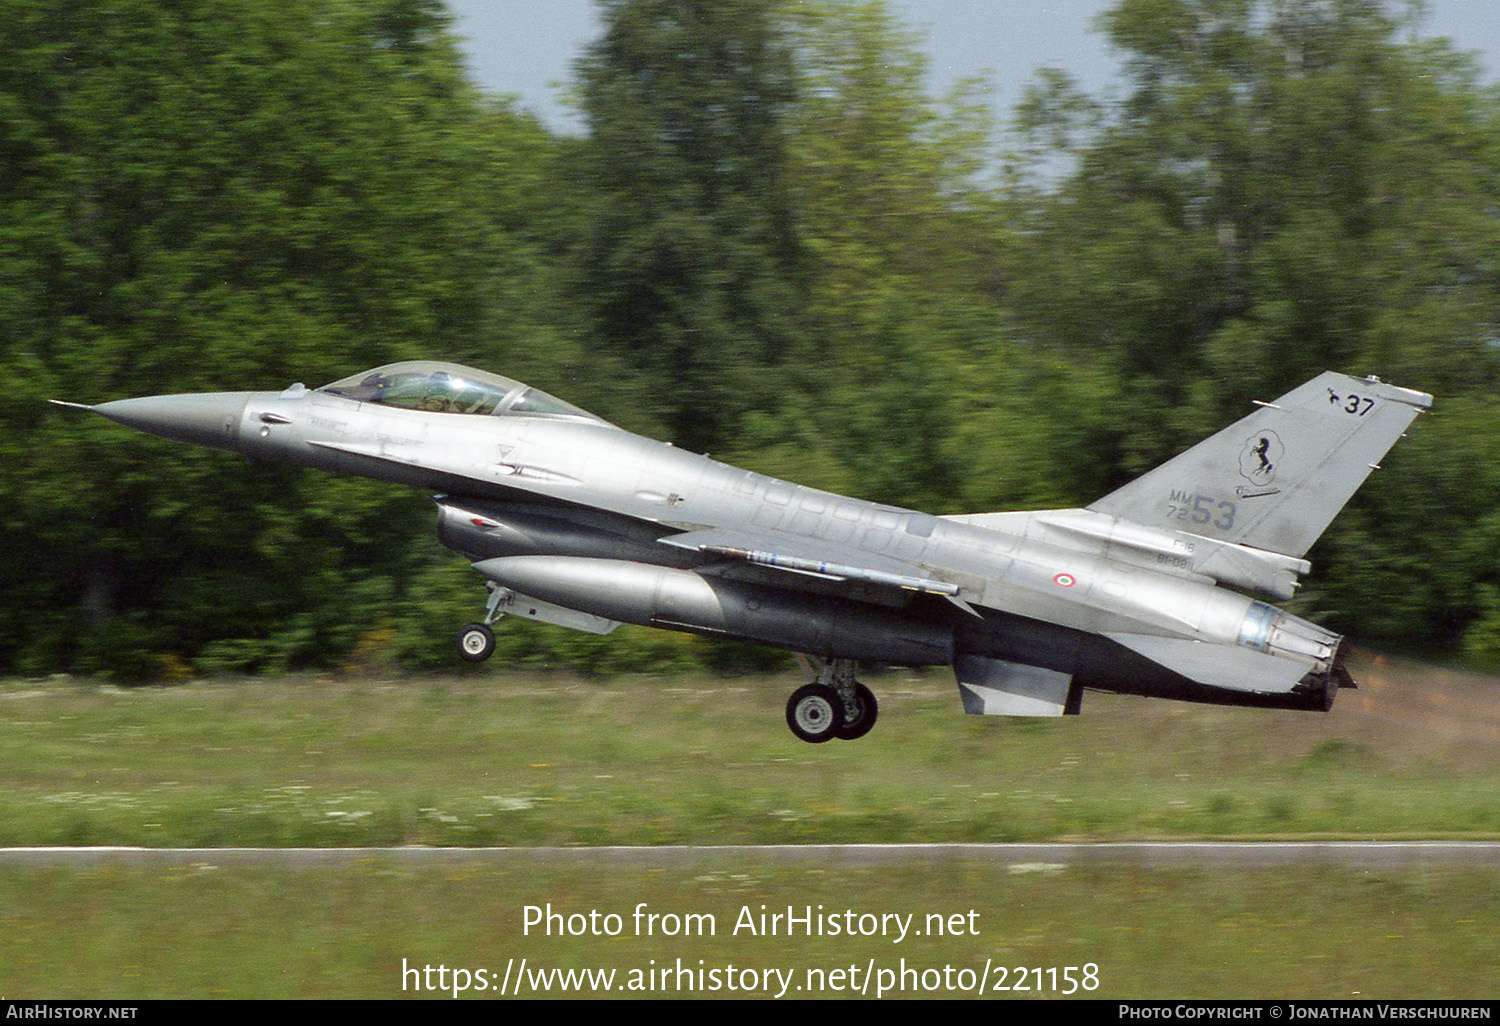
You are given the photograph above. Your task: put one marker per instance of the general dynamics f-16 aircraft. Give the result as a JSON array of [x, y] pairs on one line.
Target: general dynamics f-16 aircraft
[[574, 521]]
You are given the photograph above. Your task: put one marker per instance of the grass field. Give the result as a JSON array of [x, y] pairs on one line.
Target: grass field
[[208, 932], [519, 760], [525, 760]]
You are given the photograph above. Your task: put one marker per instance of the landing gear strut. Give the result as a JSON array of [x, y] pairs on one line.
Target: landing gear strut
[[834, 705]]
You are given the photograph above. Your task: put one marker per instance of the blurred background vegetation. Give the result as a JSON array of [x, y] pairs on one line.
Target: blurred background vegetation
[[769, 243]]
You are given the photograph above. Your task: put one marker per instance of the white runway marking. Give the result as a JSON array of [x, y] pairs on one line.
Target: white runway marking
[[1157, 855]]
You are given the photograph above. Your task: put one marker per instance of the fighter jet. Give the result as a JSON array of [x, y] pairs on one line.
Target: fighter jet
[[570, 520]]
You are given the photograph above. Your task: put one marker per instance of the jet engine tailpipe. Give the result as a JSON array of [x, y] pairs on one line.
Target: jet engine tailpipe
[[1270, 630]]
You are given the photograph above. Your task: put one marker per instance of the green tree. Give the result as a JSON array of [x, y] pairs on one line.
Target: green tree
[[689, 260], [899, 215], [1287, 186], [893, 189], [1284, 185], [212, 197]]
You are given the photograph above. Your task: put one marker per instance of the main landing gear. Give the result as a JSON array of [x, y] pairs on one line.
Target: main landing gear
[[833, 706]]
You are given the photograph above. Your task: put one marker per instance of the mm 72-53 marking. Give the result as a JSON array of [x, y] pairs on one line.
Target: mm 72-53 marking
[[1201, 509]]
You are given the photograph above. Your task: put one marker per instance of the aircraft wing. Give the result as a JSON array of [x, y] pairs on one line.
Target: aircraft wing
[[797, 555]]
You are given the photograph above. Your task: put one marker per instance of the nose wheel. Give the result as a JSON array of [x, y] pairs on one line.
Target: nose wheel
[[476, 643], [833, 706]]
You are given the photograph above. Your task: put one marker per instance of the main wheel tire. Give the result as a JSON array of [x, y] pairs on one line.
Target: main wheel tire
[[869, 709], [814, 712], [476, 642]]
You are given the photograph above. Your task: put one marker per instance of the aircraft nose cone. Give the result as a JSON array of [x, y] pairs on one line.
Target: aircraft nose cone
[[206, 418]]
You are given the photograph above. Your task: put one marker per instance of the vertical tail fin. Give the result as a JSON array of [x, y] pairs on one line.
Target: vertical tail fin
[[1275, 479]]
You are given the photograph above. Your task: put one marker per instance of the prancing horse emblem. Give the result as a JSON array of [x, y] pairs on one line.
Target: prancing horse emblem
[[1260, 457]]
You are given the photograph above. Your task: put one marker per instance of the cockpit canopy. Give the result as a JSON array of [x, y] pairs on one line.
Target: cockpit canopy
[[449, 388]]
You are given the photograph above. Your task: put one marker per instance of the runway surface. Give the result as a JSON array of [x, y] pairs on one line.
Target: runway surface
[[1369, 855]]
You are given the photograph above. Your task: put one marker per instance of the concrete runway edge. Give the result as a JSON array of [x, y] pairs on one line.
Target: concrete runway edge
[[1368, 855]]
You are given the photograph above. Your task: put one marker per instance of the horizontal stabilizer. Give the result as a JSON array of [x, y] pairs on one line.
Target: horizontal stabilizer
[[1220, 666], [995, 687]]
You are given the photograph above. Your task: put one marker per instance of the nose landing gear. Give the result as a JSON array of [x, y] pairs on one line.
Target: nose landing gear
[[476, 642]]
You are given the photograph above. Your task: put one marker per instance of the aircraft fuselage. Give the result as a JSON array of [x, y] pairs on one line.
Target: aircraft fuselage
[[575, 521]]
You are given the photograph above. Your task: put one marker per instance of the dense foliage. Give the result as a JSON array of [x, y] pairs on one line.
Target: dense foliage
[[771, 242]]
